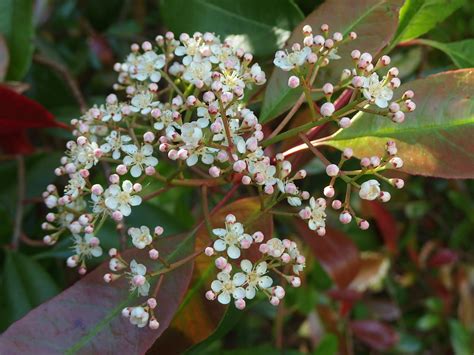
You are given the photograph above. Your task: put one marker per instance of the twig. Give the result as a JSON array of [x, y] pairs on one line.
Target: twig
[[31, 242], [19, 203], [70, 81]]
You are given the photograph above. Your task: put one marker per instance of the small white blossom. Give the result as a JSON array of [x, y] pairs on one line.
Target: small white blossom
[[139, 159], [227, 287], [289, 61], [139, 317], [87, 246], [317, 214], [143, 102], [141, 237], [148, 66], [138, 271], [114, 144], [254, 276], [370, 190], [375, 91], [231, 239], [120, 199]]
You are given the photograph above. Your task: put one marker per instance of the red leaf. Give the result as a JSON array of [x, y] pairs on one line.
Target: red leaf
[[375, 334], [86, 318], [18, 113], [386, 224], [337, 253], [442, 257]]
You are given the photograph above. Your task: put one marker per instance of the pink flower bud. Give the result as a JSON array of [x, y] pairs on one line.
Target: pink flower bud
[[332, 170], [329, 43], [210, 295], [154, 325], [327, 109], [395, 83], [336, 204], [268, 189], [82, 270], [295, 281], [363, 224], [221, 262], [154, 254], [214, 171], [114, 179], [307, 29], [146, 46], [286, 258], [72, 261], [318, 40], [108, 278], [246, 180], [258, 237], [121, 169], [345, 122], [374, 161], [396, 162], [150, 170], [274, 301], [137, 187], [138, 280], [293, 82], [209, 251], [230, 218], [357, 81], [264, 248], [279, 292], [398, 183], [353, 35], [151, 302], [312, 58], [324, 27], [173, 154], [411, 106], [398, 117], [393, 72], [385, 196], [308, 41], [328, 88], [337, 36], [329, 191], [239, 304], [117, 216], [245, 243], [409, 94], [321, 231], [394, 107], [345, 217], [126, 312], [365, 162], [239, 166], [355, 54], [148, 137]]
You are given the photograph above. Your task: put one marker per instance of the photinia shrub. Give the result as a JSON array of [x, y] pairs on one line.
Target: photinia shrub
[[183, 116]]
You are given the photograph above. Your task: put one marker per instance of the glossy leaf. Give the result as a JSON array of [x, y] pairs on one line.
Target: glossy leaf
[[435, 139], [25, 285], [337, 253], [18, 113], [417, 17], [259, 26], [86, 317], [4, 58], [461, 340], [208, 317], [16, 24], [461, 53], [375, 334], [375, 21]]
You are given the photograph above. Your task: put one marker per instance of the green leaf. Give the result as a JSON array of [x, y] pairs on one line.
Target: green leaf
[[461, 53], [375, 21], [461, 340], [25, 285], [16, 24], [428, 322], [435, 139], [417, 17], [258, 26], [327, 346], [4, 58]]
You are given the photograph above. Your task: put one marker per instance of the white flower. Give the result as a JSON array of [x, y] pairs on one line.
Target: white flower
[[254, 277], [198, 73], [143, 103], [263, 172], [289, 61], [139, 158], [87, 246], [258, 74], [165, 119], [275, 247], [230, 239], [369, 190], [75, 186], [191, 134], [148, 66], [114, 144], [139, 317], [141, 237], [193, 49], [139, 270], [231, 80], [226, 287], [84, 155], [375, 91], [317, 217], [120, 199], [112, 111]]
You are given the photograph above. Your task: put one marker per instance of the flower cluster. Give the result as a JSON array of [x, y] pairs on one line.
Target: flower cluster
[[251, 277], [186, 100]]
